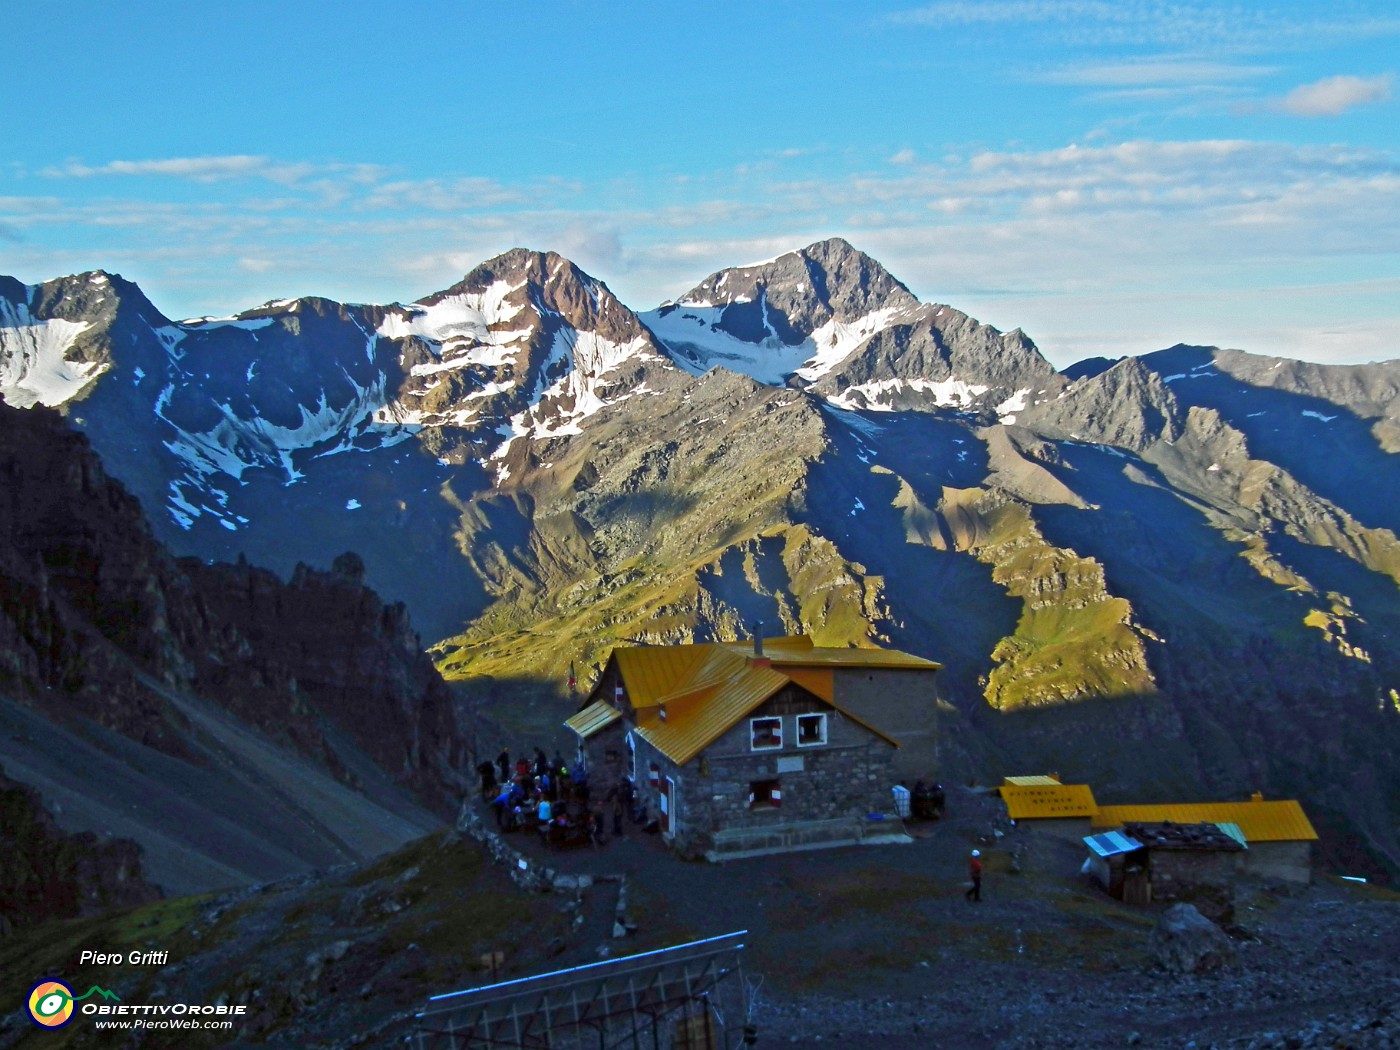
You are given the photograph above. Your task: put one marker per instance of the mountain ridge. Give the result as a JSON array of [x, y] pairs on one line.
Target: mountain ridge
[[1151, 533]]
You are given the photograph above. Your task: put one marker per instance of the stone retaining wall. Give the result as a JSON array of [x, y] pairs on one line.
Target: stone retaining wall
[[530, 874]]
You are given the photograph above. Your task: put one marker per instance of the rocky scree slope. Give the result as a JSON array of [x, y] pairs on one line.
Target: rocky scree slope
[[112, 648]]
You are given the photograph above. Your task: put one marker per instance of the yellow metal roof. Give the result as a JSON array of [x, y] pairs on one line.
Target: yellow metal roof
[[652, 671], [800, 652], [1043, 801], [1260, 820], [1042, 781], [697, 719], [593, 718], [816, 680], [705, 689]]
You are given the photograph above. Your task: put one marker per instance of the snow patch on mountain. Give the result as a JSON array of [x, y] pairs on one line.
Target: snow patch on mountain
[[694, 333], [581, 391], [880, 396], [171, 336], [33, 368], [834, 341], [1007, 410], [465, 331], [694, 336], [580, 363], [864, 428], [461, 321], [236, 444], [248, 324]]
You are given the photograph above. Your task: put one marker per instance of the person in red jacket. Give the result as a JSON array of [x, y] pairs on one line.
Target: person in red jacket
[[974, 871]]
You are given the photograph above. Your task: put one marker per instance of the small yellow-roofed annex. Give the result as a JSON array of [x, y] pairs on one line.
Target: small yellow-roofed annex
[[1278, 834], [1042, 801], [1280, 820]]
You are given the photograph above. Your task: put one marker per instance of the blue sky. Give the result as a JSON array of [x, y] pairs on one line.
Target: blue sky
[[1112, 177]]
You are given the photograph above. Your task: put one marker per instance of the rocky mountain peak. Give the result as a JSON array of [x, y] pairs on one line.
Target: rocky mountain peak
[[802, 291], [553, 286], [1125, 406], [56, 338], [832, 320], [942, 358]]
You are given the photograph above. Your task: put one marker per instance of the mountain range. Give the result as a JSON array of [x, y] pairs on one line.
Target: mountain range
[[1172, 574]]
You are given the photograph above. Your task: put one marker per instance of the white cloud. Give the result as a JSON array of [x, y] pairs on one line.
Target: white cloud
[[904, 156], [1333, 96], [1029, 238], [1154, 71], [220, 169], [1195, 27], [442, 195]]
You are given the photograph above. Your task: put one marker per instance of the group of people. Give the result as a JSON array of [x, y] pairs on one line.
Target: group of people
[[549, 795]]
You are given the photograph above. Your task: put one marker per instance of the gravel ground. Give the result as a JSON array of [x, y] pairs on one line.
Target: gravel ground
[[877, 947]]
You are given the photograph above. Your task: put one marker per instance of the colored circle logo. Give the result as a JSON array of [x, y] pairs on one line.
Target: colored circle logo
[[51, 1004]]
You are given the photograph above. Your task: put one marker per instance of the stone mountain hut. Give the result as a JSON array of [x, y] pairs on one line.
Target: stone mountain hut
[[740, 750]]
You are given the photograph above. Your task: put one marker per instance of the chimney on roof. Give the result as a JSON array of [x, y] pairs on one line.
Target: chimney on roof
[[759, 660]]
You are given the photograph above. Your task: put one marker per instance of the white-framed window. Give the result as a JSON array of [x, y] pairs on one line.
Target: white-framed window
[[765, 794], [811, 730], [765, 734], [631, 759]]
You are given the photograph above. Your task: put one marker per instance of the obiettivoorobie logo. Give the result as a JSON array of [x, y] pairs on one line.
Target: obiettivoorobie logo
[[51, 1002]]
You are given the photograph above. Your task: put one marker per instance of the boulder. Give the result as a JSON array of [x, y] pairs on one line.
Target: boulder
[[1185, 941]]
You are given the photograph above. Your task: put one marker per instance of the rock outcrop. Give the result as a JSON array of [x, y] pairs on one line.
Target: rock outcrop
[[46, 874], [1185, 941]]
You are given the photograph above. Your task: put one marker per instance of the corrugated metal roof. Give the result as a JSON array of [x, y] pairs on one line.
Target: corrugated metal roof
[[1259, 821], [1112, 843], [784, 654], [593, 718], [816, 680], [1043, 801], [1042, 781], [1234, 831], [707, 688], [652, 671], [698, 718]]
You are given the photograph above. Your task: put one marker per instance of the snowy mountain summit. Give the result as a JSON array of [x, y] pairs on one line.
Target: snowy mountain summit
[[832, 320], [526, 340]]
